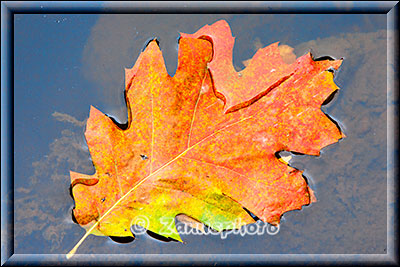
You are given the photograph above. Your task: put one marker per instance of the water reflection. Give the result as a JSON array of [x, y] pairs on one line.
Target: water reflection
[[349, 178]]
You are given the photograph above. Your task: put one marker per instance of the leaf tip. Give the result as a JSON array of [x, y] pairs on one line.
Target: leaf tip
[[92, 109], [275, 45], [150, 44], [313, 198], [94, 113]]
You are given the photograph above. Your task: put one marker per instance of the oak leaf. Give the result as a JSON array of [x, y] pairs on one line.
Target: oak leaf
[[204, 143]]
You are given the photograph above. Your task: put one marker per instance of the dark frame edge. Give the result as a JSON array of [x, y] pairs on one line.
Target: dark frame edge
[[7, 135], [202, 7], [8, 258], [392, 133]]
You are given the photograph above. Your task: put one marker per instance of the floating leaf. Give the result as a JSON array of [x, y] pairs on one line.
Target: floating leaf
[[204, 143]]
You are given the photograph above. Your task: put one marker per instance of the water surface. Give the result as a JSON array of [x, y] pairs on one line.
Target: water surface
[[65, 63]]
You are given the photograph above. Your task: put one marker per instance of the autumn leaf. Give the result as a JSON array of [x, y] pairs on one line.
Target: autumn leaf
[[204, 142]]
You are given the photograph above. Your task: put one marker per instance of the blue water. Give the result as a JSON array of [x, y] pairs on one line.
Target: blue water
[[65, 63]]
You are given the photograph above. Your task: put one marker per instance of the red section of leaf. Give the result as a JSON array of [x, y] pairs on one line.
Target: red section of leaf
[[240, 89]]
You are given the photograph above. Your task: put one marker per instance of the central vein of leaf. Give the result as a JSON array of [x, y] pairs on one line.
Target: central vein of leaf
[[152, 174]]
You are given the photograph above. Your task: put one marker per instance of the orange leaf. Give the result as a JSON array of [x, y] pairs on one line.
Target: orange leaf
[[203, 143]]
